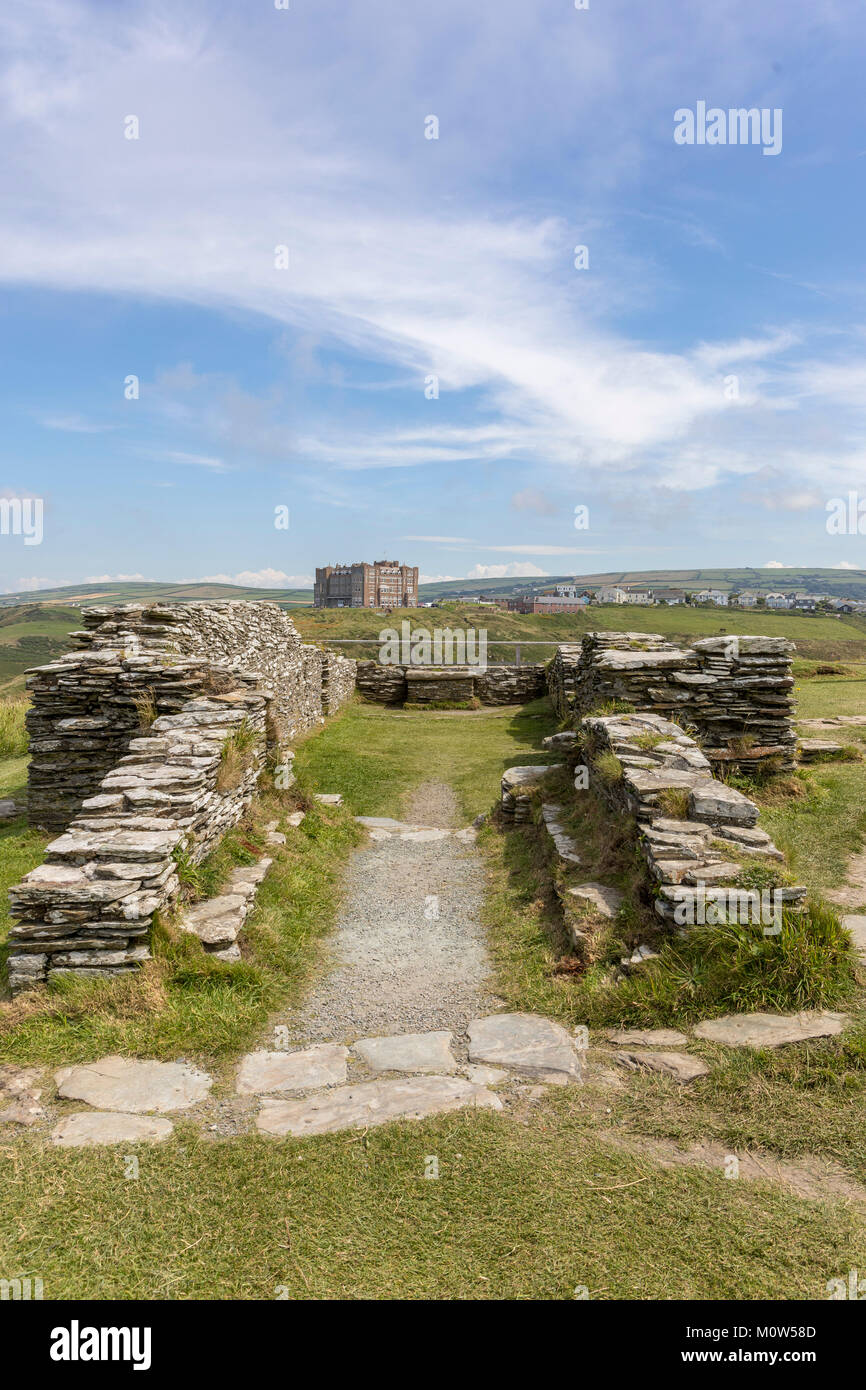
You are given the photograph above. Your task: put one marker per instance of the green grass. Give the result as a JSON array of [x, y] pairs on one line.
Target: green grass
[[815, 636], [530, 1202], [184, 1003], [532, 1205], [374, 756], [13, 734], [821, 830]]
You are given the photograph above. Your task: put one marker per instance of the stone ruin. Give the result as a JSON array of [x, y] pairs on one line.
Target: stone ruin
[[734, 693], [498, 684], [128, 740]]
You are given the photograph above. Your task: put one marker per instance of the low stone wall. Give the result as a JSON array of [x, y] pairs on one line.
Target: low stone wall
[[89, 907], [338, 681], [493, 685], [685, 853], [734, 691], [88, 704]]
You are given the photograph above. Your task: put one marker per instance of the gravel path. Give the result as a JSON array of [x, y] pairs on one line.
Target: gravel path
[[409, 952]]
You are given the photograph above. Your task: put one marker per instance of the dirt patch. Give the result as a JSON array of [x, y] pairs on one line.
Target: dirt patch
[[809, 1177], [431, 803]]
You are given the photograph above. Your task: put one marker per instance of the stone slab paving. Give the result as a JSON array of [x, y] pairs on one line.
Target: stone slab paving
[[409, 1052], [526, 1043], [93, 1127], [122, 1083], [770, 1030], [856, 925], [484, 1076], [678, 1065], [372, 1103], [647, 1037], [605, 899], [324, 1065]]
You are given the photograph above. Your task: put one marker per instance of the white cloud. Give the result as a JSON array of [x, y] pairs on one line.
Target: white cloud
[[775, 565], [846, 565], [259, 579], [437, 578], [113, 579], [26, 586], [516, 570]]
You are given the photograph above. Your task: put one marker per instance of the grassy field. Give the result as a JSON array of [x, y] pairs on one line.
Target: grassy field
[[540, 1200], [823, 637]]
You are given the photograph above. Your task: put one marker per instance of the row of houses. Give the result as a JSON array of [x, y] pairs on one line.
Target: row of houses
[[569, 598]]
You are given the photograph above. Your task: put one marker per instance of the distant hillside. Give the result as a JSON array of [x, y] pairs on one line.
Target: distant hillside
[[831, 582], [81, 595], [31, 636]]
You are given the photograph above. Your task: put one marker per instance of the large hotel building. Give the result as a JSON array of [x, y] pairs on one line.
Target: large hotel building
[[384, 584]]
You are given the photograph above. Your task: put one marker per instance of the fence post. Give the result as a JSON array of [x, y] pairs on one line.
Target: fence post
[[517, 653]]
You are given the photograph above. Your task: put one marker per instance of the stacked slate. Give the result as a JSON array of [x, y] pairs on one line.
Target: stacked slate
[[89, 907], [492, 685], [736, 692], [516, 797], [685, 854]]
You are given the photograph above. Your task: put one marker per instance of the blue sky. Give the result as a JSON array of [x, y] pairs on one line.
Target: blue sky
[[261, 386]]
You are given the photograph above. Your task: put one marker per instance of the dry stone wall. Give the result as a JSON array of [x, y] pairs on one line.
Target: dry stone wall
[[698, 852], [89, 907], [492, 685], [148, 740], [735, 692], [88, 704]]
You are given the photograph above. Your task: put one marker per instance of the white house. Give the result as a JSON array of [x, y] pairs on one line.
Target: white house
[[747, 600], [716, 596], [611, 593], [778, 601]]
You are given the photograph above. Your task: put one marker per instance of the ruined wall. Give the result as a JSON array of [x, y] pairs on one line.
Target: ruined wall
[[493, 685], [87, 705], [731, 690], [89, 907], [700, 853], [146, 741]]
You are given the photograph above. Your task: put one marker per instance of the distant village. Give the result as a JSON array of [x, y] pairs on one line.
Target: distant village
[[570, 598]]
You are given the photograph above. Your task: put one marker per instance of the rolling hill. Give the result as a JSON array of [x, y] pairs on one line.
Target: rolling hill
[[831, 582]]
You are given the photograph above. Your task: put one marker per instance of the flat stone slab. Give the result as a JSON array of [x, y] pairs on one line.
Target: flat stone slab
[[372, 1103], [646, 1037], [330, 798], [855, 923], [294, 818], [429, 1052], [122, 1083], [604, 899], [770, 1030], [525, 1042], [677, 1065], [324, 1065], [98, 1127], [484, 1076]]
